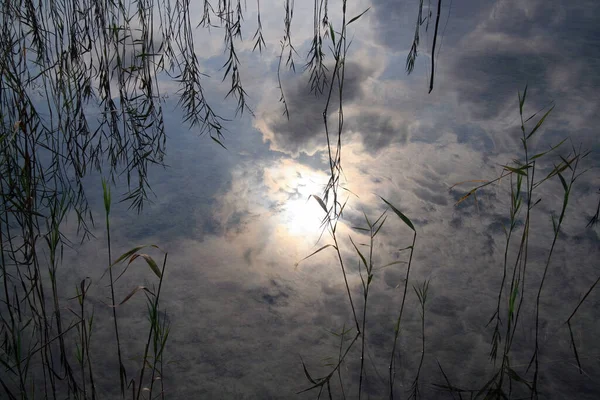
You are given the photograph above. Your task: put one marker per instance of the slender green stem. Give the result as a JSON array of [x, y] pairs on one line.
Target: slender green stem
[[122, 373], [392, 370], [151, 331]]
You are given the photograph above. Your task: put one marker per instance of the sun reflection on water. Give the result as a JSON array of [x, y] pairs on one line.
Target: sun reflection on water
[[292, 185]]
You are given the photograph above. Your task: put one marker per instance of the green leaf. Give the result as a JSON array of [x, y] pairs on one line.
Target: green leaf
[[511, 302], [564, 183], [567, 163], [127, 254], [332, 33], [106, 194], [399, 214], [519, 171], [522, 100], [358, 16], [546, 152], [151, 263], [540, 122]]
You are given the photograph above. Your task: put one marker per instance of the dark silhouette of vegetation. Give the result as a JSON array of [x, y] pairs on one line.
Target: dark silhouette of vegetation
[[80, 92]]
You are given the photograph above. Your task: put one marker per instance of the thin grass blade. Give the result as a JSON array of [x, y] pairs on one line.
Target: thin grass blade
[[399, 214]]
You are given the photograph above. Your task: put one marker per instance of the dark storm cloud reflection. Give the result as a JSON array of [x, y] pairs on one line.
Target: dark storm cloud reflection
[[304, 131], [377, 130], [551, 46], [395, 21], [490, 50]]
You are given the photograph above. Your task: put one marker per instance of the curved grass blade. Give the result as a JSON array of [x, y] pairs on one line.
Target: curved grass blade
[[540, 122], [399, 214], [364, 261], [130, 295], [320, 201], [313, 253], [132, 252], [310, 379], [150, 261], [358, 16]]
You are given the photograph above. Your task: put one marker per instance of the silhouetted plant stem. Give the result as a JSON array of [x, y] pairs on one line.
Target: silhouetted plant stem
[[151, 332], [392, 369], [107, 205], [435, 34]]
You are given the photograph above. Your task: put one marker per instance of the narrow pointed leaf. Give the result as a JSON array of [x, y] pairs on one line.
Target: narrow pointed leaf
[[151, 263], [567, 163], [516, 377], [218, 142], [315, 252], [540, 122], [367, 219], [380, 226], [132, 251], [466, 196], [392, 263], [522, 100], [399, 214], [310, 379], [519, 171], [547, 151], [106, 195], [358, 16], [128, 254], [359, 253], [130, 295], [574, 346], [564, 183], [332, 34], [320, 201]]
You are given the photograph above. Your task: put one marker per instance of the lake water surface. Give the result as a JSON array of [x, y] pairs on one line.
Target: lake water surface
[[235, 222]]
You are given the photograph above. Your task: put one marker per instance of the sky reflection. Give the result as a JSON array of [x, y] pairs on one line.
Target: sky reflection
[[291, 185], [236, 221]]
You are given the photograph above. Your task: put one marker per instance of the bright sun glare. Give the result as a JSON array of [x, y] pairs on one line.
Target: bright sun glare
[[294, 184]]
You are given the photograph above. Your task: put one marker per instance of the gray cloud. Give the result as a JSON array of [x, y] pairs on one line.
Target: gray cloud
[[304, 131], [488, 82], [550, 46], [395, 21], [376, 130], [243, 315], [487, 52]]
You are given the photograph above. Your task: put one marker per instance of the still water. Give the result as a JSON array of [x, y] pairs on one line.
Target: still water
[[246, 309]]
